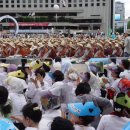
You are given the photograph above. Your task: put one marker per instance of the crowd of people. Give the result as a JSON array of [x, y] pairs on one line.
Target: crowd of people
[[52, 95], [44, 96], [81, 46]]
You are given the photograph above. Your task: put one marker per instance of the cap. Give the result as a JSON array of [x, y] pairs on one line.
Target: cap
[[87, 109], [18, 74], [35, 64]]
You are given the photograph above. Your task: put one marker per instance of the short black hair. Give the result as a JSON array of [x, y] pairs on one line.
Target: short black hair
[[58, 76], [45, 67], [58, 59], [126, 64], [117, 71], [5, 109], [87, 77], [30, 110], [61, 124], [41, 72], [3, 60], [86, 120], [82, 88]]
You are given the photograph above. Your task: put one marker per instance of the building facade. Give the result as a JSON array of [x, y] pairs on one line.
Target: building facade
[[88, 15], [119, 14]]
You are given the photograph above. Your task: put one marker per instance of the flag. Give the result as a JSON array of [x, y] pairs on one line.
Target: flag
[[18, 15], [31, 14], [63, 2]]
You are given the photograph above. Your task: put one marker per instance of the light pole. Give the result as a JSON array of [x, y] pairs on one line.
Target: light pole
[[56, 7]]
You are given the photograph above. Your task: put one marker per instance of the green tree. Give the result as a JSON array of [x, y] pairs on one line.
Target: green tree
[[128, 25], [120, 30]]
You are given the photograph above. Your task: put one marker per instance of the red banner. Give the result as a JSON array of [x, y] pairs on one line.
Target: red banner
[[30, 24]]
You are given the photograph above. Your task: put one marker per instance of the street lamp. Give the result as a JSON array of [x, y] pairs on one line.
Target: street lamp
[[56, 7]]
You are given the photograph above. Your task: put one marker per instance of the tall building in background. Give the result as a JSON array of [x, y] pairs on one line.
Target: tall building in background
[[119, 14], [87, 15]]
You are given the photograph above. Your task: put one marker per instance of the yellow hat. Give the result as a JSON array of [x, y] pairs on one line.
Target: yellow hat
[[35, 64], [18, 74], [4, 65]]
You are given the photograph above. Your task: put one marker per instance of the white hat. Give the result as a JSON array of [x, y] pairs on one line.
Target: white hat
[[73, 76], [16, 85], [57, 66]]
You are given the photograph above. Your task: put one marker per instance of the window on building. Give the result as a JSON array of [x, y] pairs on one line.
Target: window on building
[[75, 5], [35, 6], [69, 1], [29, 6], [1, 1], [98, 4], [80, 5], [80, 1], [35, 1], [52, 5], [24, 1], [86, 0], [69, 5], [18, 1], [12, 1], [24, 6], [41, 5], [103, 0], [41, 1], [58, 1], [103, 4], [29, 1], [98, 0], [52, 1], [7, 1], [86, 5], [75, 1], [18, 6], [46, 6], [12, 6], [7, 6], [92, 0], [1, 6], [46, 1], [92, 4]]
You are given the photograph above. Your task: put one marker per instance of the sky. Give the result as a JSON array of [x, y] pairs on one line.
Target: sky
[[127, 7]]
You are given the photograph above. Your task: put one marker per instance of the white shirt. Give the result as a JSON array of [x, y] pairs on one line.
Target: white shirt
[[31, 128], [127, 45], [48, 79], [3, 76], [112, 122], [17, 102], [33, 94], [125, 74], [78, 127], [94, 82], [115, 85]]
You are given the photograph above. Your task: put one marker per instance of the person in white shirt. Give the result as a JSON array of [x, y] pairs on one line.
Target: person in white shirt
[[127, 44], [114, 88], [35, 86], [31, 116], [47, 78], [82, 114], [94, 82], [125, 64], [121, 115]]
